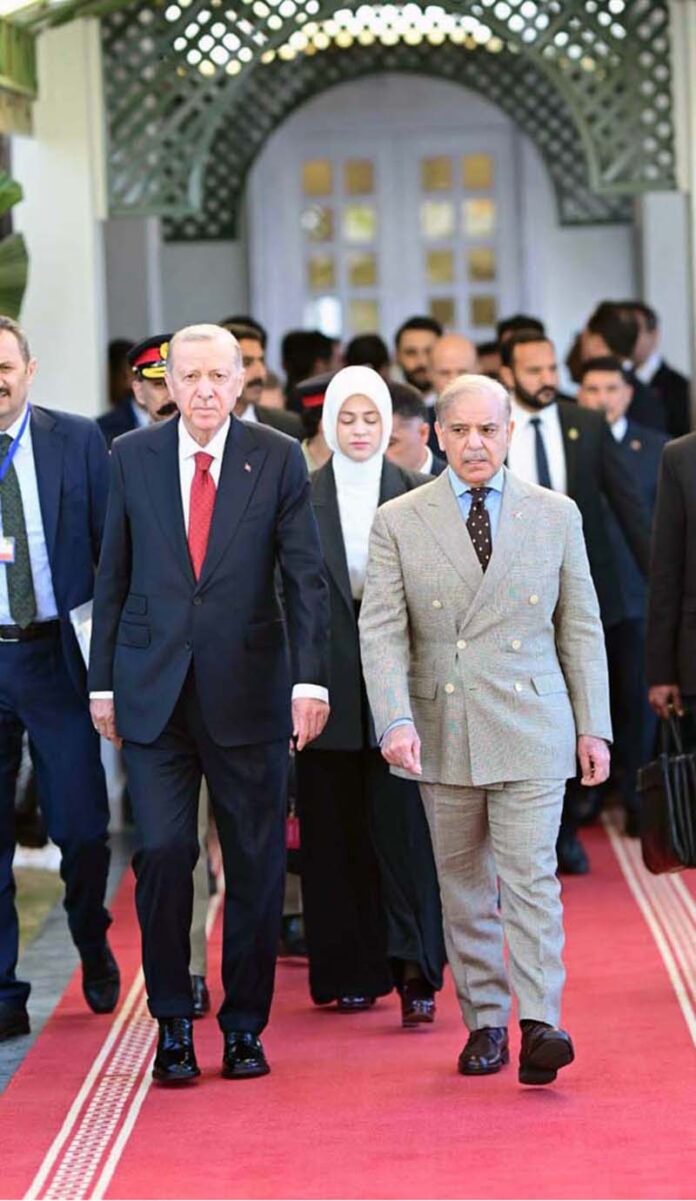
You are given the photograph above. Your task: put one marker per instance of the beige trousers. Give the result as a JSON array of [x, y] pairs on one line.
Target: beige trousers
[[485, 839], [201, 891]]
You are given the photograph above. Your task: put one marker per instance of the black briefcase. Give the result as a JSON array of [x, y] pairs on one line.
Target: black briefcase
[[667, 789]]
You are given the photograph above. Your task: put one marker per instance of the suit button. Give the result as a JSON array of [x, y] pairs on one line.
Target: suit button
[[515, 644], [518, 687], [198, 600], [534, 599], [449, 688], [437, 604], [188, 646], [461, 645]]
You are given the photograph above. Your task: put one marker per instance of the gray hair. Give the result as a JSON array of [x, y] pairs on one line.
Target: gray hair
[[11, 327], [465, 386], [204, 333]]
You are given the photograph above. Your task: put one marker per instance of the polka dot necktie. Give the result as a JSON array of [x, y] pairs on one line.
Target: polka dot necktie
[[201, 510], [478, 524]]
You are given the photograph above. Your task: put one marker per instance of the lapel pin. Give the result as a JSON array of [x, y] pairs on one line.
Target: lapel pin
[[636, 444], [573, 433], [247, 466]]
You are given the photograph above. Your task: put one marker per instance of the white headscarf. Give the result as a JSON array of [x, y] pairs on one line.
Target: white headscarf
[[357, 483]]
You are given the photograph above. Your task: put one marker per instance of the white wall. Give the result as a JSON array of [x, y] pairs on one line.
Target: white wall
[[665, 270], [62, 172], [567, 270]]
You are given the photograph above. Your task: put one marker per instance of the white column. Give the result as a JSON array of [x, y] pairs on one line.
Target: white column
[[133, 277], [62, 169], [665, 269], [683, 32]]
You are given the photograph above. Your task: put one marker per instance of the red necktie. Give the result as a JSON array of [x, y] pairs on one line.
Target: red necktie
[[201, 510]]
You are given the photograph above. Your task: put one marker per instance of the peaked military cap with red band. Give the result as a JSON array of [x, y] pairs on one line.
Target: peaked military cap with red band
[[149, 358], [309, 394]]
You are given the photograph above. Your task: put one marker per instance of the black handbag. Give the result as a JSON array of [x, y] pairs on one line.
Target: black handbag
[[667, 789]]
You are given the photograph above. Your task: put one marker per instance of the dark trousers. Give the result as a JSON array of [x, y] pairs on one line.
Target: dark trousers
[[369, 885], [247, 787], [633, 721], [37, 695]]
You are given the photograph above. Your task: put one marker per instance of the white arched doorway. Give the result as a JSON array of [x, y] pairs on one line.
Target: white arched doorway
[[397, 194]]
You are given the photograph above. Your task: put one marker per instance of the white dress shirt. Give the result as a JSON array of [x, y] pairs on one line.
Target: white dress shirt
[[649, 368], [249, 414], [618, 429], [522, 453], [426, 466], [142, 417], [25, 467], [188, 449]]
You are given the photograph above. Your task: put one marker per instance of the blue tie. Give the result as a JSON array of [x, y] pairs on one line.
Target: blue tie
[[542, 463]]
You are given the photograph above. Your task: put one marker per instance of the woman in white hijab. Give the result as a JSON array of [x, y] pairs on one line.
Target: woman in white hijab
[[371, 900]]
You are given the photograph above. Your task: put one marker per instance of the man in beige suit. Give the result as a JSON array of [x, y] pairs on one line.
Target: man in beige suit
[[485, 666]]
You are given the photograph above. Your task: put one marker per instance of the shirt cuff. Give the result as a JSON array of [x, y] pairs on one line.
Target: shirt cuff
[[313, 692], [101, 696], [398, 721]]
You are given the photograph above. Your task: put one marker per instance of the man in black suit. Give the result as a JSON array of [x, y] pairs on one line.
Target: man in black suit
[[559, 445], [606, 388], [612, 330], [673, 388], [190, 667], [671, 630], [408, 443], [248, 407], [53, 485]]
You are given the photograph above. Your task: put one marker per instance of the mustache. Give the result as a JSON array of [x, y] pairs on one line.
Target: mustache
[[476, 456], [167, 409]]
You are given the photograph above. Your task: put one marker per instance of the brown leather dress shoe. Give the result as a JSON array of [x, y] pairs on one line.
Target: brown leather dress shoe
[[417, 1003], [486, 1051], [545, 1049]]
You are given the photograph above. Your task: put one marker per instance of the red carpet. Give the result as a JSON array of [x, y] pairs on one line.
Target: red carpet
[[356, 1107]]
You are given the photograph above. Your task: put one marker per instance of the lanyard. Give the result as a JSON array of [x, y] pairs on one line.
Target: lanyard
[[14, 447]]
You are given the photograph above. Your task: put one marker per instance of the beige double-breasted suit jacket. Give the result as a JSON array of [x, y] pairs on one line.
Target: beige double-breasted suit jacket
[[500, 672]]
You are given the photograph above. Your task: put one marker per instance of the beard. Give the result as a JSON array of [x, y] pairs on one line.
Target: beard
[[419, 379], [540, 399]]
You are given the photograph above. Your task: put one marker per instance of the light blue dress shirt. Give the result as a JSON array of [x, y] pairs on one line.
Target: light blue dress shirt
[[494, 499], [23, 463]]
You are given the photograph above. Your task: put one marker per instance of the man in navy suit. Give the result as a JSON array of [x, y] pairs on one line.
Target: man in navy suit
[[190, 666], [53, 487], [606, 387]]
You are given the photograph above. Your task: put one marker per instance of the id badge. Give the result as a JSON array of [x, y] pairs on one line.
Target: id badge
[[7, 550]]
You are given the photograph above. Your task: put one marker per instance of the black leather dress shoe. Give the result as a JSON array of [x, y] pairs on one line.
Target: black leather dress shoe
[[292, 937], [417, 1003], [243, 1057], [201, 996], [175, 1061], [544, 1050], [14, 1021], [353, 1003], [572, 857], [101, 981], [486, 1052]]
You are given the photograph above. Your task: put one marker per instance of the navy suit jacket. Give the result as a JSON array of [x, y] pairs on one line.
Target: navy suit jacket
[[119, 420], [642, 449], [72, 474], [153, 619]]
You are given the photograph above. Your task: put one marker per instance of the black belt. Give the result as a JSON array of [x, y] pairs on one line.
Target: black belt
[[37, 629]]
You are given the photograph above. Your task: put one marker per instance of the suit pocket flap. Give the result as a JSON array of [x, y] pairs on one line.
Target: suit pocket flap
[[554, 681], [423, 686], [265, 633], [132, 635], [135, 604]]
